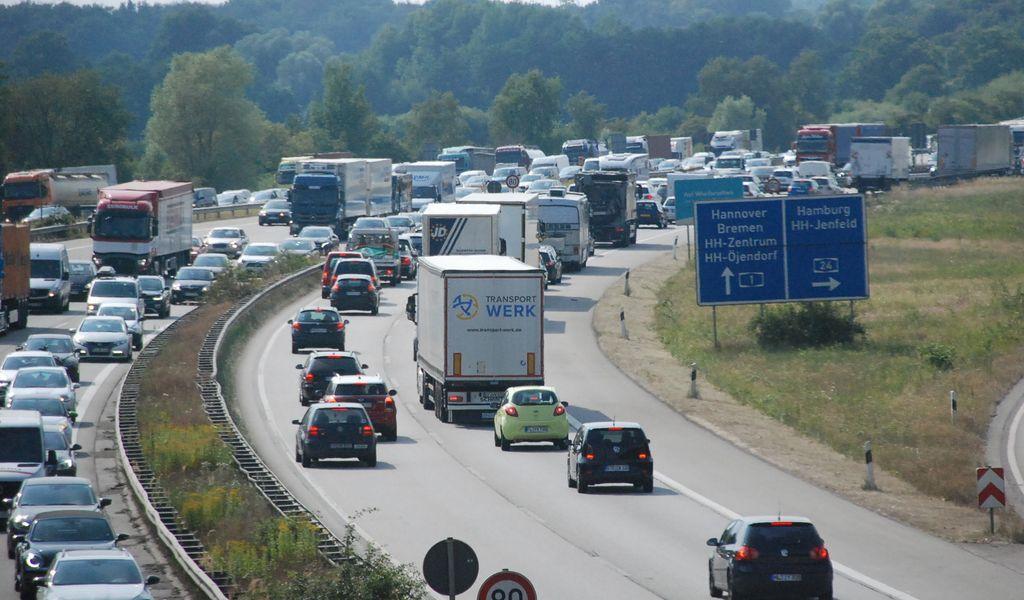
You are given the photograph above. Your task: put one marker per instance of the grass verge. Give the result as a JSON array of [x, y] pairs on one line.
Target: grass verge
[[268, 556], [946, 311]]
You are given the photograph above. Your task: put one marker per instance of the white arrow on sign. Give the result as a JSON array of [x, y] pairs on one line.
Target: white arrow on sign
[[727, 274], [831, 284]]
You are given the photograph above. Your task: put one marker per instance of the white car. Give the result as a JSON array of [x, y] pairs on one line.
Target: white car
[[258, 255], [114, 289], [784, 177], [467, 175], [232, 197], [226, 240], [44, 382], [103, 337], [264, 196], [15, 361], [132, 319], [110, 574]]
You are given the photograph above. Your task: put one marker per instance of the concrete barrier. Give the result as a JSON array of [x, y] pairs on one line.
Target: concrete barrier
[[59, 233]]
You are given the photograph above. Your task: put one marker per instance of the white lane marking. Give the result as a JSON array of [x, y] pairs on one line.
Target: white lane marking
[[90, 393], [289, 450], [850, 573], [1011, 447]]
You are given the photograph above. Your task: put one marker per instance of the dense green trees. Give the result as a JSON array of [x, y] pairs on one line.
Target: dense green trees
[[527, 110]]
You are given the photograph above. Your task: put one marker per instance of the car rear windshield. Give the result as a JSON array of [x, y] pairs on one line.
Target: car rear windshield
[[315, 232], [67, 494], [341, 365], [48, 407], [528, 397], [21, 445], [100, 571], [80, 268], [340, 416], [614, 436], [353, 267], [318, 316], [13, 363], [114, 289], [783, 535], [72, 529], [59, 345], [260, 250], [361, 389]]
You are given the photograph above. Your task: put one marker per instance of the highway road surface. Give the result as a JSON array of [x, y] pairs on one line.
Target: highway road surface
[[96, 397], [515, 509]]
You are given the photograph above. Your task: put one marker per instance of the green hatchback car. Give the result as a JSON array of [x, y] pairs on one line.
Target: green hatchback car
[[531, 414]]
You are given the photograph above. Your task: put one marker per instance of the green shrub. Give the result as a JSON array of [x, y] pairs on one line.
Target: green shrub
[[177, 448], [236, 283], [940, 356], [805, 325]]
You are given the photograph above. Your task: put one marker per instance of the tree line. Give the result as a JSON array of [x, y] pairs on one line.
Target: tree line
[[218, 94]]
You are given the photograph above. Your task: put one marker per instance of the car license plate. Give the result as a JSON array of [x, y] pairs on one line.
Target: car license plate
[[101, 351], [340, 446], [360, 446], [616, 468], [778, 577], [537, 429], [487, 415], [352, 293], [318, 330], [490, 396]]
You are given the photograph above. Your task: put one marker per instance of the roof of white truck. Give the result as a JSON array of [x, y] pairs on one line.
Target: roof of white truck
[[475, 262], [452, 209], [510, 198]]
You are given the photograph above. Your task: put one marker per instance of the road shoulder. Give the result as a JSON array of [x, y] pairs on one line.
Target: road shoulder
[[644, 359]]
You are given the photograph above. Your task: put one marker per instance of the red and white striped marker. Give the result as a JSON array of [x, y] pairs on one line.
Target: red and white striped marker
[[991, 488]]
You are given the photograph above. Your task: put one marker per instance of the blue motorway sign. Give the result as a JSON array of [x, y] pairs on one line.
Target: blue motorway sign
[[688, 191], [788, 249]]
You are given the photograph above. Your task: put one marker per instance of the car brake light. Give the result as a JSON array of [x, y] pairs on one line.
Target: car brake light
[[389, 401], [336, 288], [370, 288], [745, 553], [454, 398], [614, 429], [588, 452], [341, 326], [406, 260], [511, 411], [296, 326], [782, 523], [642, 456], [314, 431], [648, 197], [342, 409], [309, 377], [367, 430], [819, 553], [559, 410]]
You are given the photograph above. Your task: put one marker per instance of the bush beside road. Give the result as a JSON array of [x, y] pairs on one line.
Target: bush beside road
[[947, 287]]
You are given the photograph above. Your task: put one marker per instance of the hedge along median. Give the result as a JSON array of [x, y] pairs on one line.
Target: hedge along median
[[265, 554], [947, 306]]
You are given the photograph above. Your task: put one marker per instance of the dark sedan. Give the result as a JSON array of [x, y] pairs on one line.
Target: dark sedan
[[320, 368], [82, 274], [610, 452], [55, 531], [335, 430], [324, 237], [317, 328], [770, 557], [355, 292], [276, 212], [61, 346], [157, 295], [191, 284]]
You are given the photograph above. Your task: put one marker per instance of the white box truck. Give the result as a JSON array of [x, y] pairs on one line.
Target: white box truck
[[517, 222], [479, 330], [432, 181], [378, 178], [455, 228], [878, 162]]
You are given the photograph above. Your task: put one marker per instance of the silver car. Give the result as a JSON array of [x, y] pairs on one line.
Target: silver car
[[103, 337], [257, 256], [226, 240], [79, 573], [45, 382], [16, 361], [132, 319], [114, 289]]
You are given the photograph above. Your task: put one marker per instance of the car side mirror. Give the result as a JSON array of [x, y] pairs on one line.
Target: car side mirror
[[295, 422], [73, 414], [7, 502], [76, 447], [19, 347], [346, 322], [392, 392], [75, 386], [51, 458], [72, 331], [40, 581], [80, 351], [290, 321], [364, 366], [122, 537], [105, 502], [713, 542], [565, 403], [152, 580], [299, 366]]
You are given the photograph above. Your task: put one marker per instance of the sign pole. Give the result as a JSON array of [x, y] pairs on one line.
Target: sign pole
[[688, 257], [675, 242], [869, 461], [992, 520], [451, 568], [714, 325], [952, 406]]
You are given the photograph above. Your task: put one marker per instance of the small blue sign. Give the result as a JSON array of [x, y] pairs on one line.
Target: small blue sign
[[688, 191], [781, 250]]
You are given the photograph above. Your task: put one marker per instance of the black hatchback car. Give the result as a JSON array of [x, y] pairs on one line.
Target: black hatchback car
[[276, 212], [770, 557], [317, 328], [319, 368], [649, 212], [335, 430], [82, 274], [355, 292], [157, 295], [610, 452]]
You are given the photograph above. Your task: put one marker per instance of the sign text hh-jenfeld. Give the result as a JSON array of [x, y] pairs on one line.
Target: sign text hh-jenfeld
[[790, 249]]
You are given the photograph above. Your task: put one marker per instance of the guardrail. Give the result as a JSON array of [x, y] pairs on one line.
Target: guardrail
[[56, 233]]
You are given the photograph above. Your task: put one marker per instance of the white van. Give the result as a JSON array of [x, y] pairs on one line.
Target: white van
[[814, 168], [560, 161], [22, 453], [632, 163]]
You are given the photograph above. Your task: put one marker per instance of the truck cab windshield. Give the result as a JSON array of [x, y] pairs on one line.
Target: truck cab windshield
[[45, 269], [23, 190], [125, 225]]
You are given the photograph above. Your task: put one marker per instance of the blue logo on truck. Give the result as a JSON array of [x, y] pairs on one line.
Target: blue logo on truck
[[465, 306]]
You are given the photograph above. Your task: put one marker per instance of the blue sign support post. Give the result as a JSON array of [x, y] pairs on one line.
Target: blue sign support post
[[792, 249]]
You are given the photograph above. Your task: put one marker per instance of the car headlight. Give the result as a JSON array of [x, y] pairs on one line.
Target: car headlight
[[206, 288], [91, 307], [176, 286], [52, 293], [22, 522], [33, 560], [234, 244], [67, 463]]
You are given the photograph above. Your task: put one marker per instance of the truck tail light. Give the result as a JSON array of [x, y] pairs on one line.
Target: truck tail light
[[454, 397], [511, 411], [367, 431], [559, 410], [389, 403], [745, 553]]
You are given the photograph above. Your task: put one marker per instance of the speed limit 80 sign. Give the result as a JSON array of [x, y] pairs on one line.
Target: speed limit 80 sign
[[507, 585]]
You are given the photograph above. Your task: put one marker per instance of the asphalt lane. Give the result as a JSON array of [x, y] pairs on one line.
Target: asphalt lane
[[99, 383], [443, 480]]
